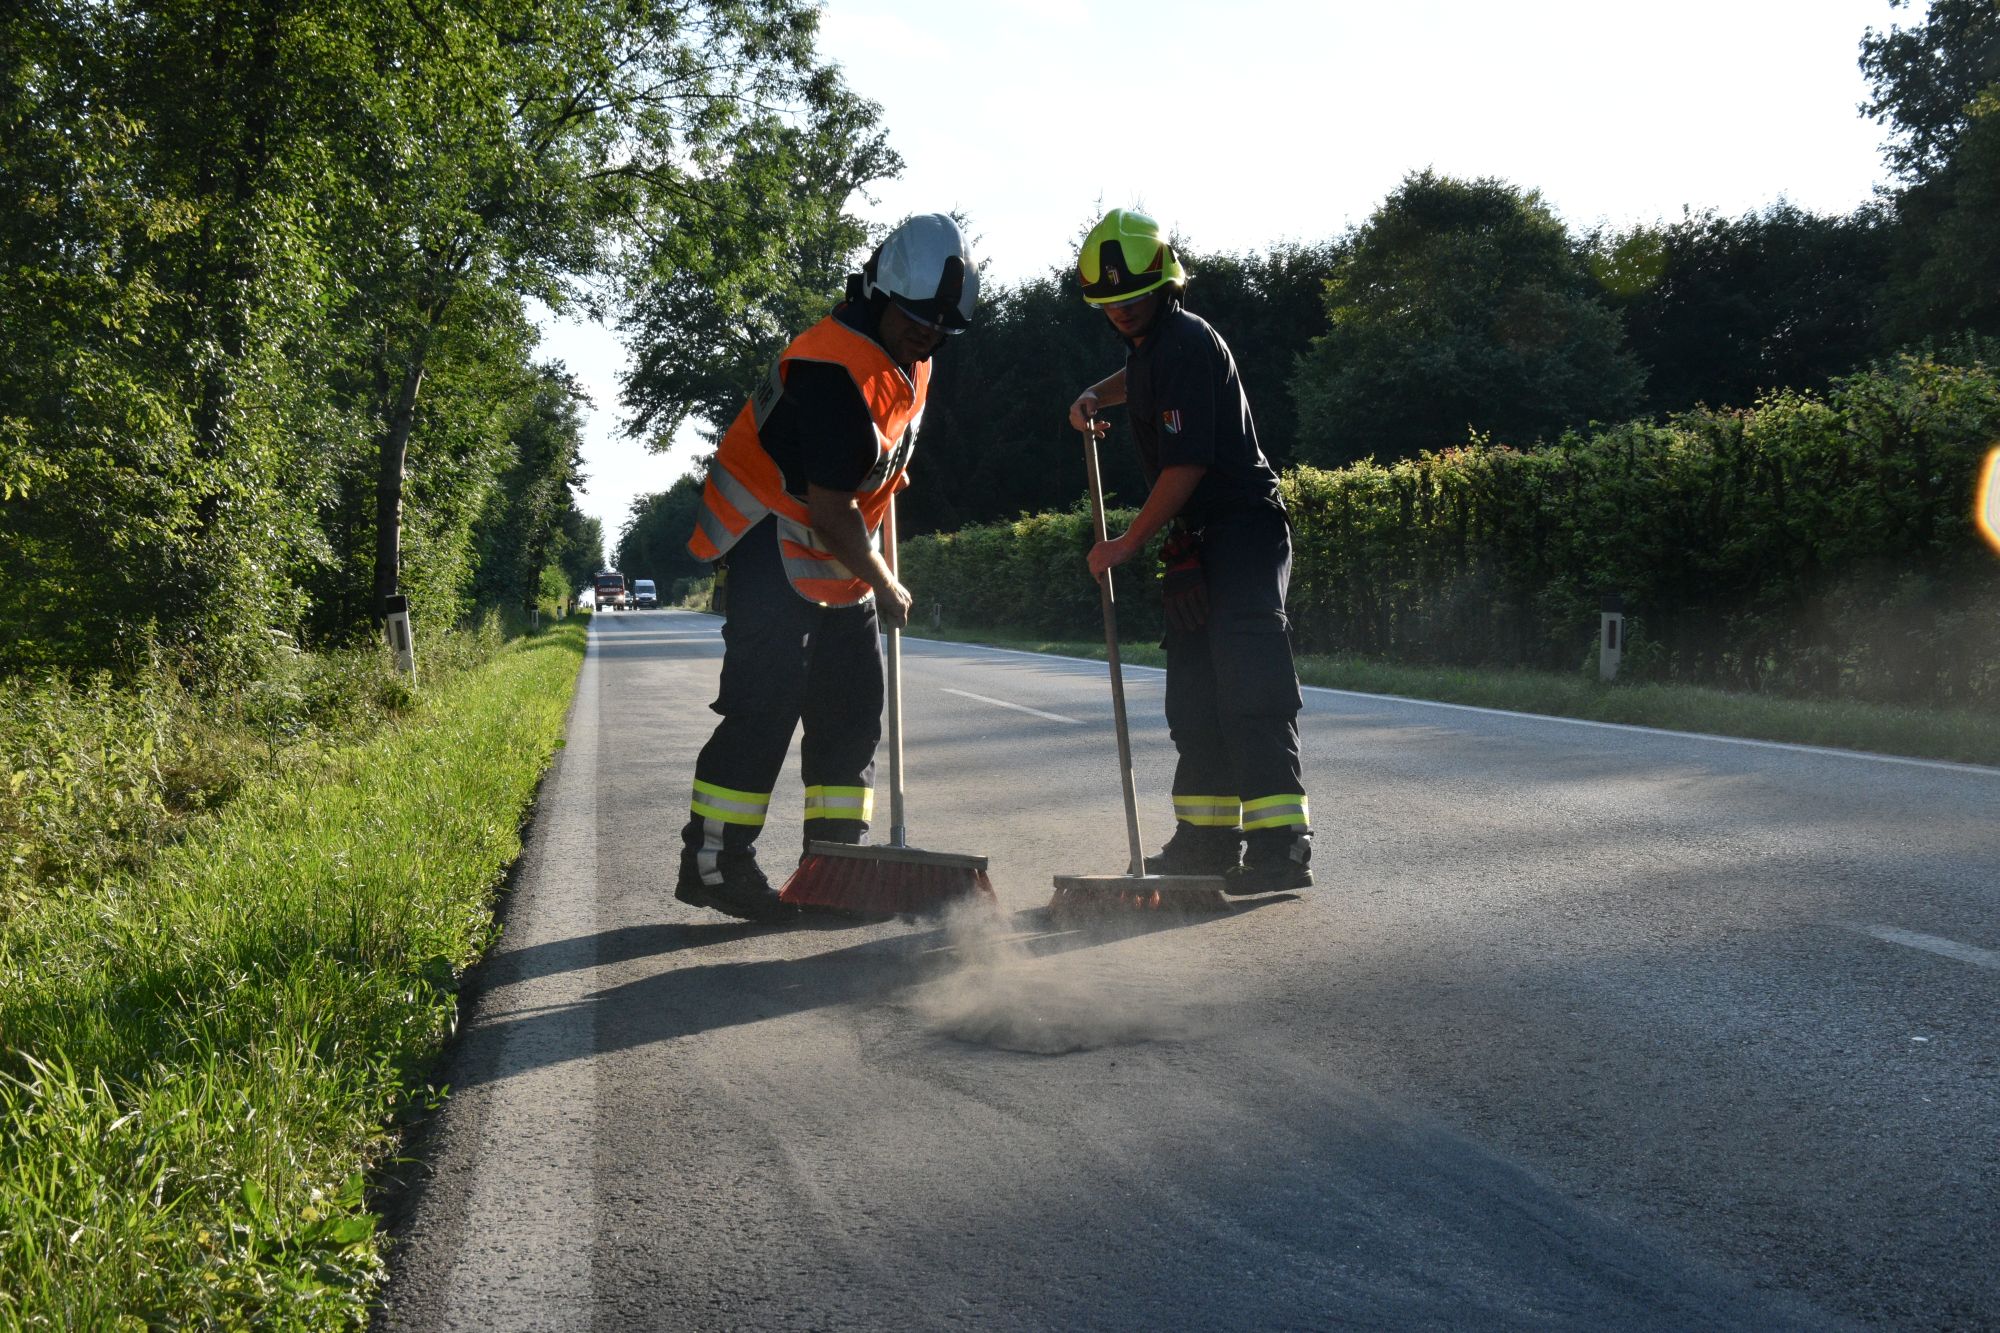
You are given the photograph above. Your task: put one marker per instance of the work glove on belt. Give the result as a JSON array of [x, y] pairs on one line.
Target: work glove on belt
[[1183, 588]]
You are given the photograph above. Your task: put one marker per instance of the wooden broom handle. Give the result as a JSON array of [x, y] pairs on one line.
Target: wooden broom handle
[[897, 831], [1110, 603]]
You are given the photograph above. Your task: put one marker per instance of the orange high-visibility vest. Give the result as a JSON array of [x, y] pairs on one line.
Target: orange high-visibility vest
[[744, 483]]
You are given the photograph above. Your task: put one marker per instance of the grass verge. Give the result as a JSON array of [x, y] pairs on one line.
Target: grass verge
[[1961, 735], [202, 1059]]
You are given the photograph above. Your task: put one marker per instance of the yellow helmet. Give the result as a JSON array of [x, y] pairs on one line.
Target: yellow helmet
[[1126, 255]]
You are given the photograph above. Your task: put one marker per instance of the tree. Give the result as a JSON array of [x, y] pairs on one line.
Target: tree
[[996, 440], [161, 265], [528, 144], [1268, 306], [722, 279], [1933, 82], [653, 543], [579, 549], [520, 531], [1459, 306], [1938, 86], [264, 353], [1949, 278], [1721, 310]]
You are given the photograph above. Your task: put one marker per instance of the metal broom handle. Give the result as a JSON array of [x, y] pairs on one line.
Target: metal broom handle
[[897, 832], [1106, 596]]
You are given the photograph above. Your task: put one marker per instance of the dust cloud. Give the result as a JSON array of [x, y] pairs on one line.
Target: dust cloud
[[998, 993]]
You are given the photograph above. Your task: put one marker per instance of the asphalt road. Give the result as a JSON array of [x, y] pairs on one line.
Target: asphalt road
[[1583, 1027]]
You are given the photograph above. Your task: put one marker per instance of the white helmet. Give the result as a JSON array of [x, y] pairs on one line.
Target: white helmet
[[925, 266]]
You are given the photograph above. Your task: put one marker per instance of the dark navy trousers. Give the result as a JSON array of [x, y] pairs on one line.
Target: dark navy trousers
[[785, 661], [1232, 689]]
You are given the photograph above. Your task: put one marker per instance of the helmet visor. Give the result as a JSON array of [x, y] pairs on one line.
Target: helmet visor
[[933, 321], [1108, 274]]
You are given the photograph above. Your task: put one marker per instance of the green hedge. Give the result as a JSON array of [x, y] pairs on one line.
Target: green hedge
[[1814, 544], [1028, 574]]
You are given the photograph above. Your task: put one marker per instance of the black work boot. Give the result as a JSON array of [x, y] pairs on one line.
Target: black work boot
[[846, 832], [736, 888], [1273, 860], [1197, 850]]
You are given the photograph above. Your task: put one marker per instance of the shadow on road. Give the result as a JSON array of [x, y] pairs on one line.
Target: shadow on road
[[687, 999], [660, 647]]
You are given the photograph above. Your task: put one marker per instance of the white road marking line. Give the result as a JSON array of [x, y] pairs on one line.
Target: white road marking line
[[1826, 750], [1964, 953], [1019, 708], [1946, 765]]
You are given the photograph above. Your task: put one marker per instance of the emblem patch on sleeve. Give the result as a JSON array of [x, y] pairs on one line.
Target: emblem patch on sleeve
[[1170, 421]]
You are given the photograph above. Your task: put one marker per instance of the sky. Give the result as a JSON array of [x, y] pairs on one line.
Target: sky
[[1244, 124]]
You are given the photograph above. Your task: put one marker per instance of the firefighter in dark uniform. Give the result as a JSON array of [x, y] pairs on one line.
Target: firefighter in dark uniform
[[1232, 693], [792, 504]]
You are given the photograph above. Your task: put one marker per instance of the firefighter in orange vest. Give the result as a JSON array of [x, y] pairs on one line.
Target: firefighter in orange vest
[[793, 503], [1233, 700]]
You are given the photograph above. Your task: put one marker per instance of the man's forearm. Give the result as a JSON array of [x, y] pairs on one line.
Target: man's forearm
[[1167, 498], [837, 520]]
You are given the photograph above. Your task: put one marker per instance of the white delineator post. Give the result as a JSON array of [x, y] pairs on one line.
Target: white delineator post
[[396, 629], [1611, 636]]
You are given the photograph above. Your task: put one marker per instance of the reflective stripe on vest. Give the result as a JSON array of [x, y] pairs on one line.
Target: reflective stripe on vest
[[744, 484], [729, 508]]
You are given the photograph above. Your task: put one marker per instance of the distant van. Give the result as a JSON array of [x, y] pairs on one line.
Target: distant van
[[643, 594]]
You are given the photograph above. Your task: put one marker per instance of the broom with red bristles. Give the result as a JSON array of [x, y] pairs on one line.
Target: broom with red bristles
[[895, 879]]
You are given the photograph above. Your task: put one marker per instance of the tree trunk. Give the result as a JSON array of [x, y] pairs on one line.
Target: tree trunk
[[394, 454]]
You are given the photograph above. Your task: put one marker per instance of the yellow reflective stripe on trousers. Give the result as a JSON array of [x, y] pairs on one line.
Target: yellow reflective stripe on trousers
[[840, 803], [731, 807], [1288, 810], [1207, 811]]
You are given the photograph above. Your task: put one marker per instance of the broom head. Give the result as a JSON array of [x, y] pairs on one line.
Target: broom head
[[885, 881], [1083, 896]]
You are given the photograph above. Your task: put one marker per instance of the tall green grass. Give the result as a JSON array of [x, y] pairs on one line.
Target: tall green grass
[[98, 773], [203, 1055]]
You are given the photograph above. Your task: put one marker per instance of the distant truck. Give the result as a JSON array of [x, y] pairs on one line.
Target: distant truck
[[643, 595], [611, 594]]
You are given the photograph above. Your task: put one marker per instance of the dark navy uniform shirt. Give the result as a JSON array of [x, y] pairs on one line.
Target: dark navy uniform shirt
[[1187, 405]]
